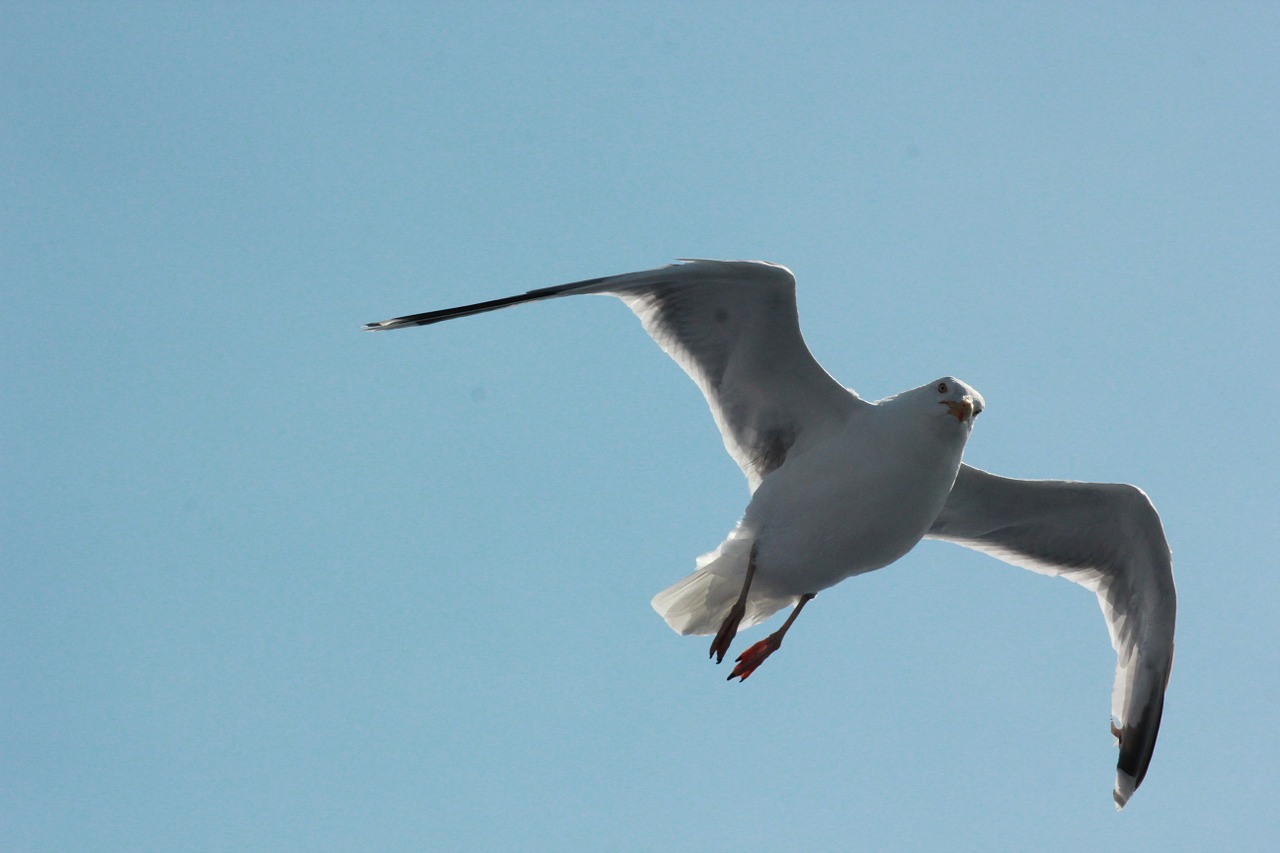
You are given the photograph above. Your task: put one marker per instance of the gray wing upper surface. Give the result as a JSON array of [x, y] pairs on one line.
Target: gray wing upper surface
[[1107, 538], [733, 327]]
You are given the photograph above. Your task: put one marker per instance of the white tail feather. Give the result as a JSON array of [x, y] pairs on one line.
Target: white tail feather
[[698, 603]]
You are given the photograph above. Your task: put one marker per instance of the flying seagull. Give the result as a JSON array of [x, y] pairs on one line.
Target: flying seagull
[[841, 486]]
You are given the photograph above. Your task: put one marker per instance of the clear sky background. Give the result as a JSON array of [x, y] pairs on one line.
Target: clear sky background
[[271, 583]]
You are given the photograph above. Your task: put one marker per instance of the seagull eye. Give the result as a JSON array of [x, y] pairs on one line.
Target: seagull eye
[[942, 387]]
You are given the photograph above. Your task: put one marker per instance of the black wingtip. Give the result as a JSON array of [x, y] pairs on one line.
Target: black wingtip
[[430, 317], [1137, 745]]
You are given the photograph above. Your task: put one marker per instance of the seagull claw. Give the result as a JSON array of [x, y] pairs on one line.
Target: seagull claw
[[749, 660], [728, 630]]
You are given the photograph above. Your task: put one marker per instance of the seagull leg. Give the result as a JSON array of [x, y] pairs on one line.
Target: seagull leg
[[729, 627], [755, 655]]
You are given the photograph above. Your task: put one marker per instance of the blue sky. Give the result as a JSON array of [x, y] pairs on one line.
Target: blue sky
[[274, 584]]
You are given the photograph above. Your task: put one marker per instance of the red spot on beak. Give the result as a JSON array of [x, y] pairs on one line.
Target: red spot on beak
[[962, 410]]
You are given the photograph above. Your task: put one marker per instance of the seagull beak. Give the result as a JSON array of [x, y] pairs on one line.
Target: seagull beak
[[962, 410]]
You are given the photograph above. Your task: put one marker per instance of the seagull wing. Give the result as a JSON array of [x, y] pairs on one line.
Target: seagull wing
[[1107, 538], [732, 326]]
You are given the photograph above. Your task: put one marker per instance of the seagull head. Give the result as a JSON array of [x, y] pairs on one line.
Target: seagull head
[[941, 401], [959, 399]]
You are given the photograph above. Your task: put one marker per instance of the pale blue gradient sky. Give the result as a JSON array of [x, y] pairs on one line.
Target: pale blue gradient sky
[[270, 583]]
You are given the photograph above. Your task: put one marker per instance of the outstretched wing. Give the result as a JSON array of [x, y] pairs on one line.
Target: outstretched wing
[[1107, 538], [732, 326]]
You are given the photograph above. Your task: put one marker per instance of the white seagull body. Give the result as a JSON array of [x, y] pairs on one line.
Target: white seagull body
[[842, 486]]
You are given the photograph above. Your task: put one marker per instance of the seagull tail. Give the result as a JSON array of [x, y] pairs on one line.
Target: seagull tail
[[698, 603]]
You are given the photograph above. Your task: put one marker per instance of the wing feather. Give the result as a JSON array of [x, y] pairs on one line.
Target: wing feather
[[1108, 538], [733, 327]]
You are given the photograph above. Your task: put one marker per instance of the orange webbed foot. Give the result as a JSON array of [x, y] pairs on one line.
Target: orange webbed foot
[[751, 659]]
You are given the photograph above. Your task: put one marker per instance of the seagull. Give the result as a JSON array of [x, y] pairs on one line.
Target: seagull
[[841, 486]]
